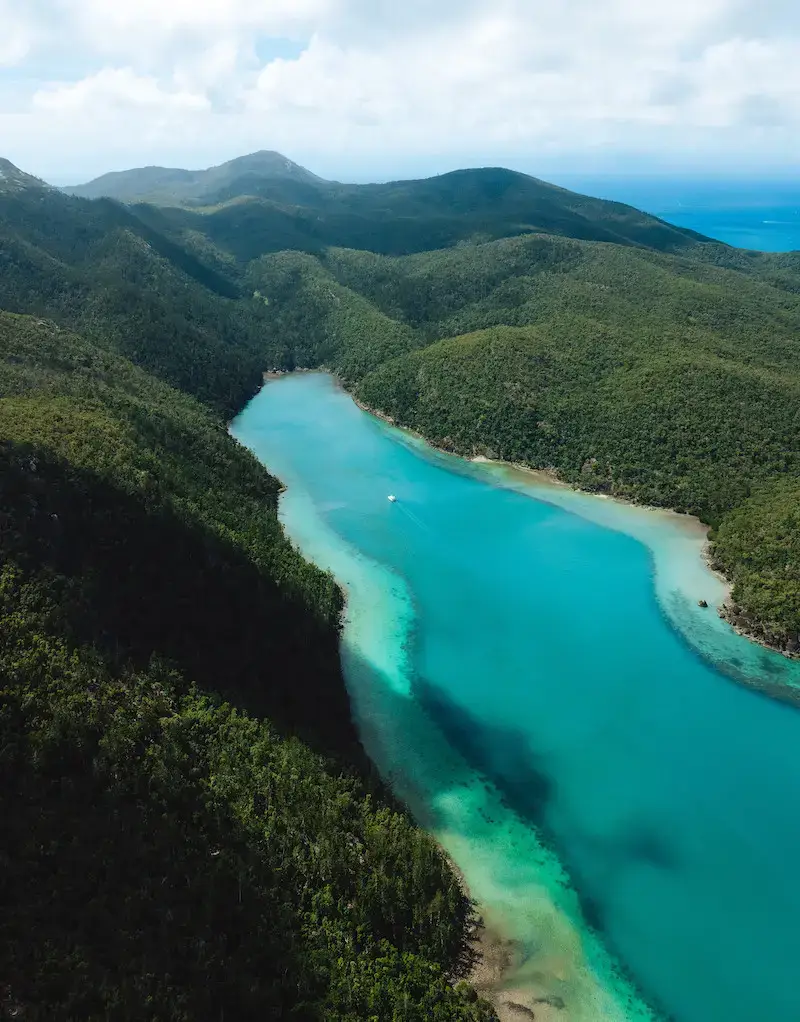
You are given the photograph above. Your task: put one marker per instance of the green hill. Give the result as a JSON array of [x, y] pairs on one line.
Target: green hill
[[670, 380], [191, 828], [13, 180], [97, 268], [174, 186], [263, 203]]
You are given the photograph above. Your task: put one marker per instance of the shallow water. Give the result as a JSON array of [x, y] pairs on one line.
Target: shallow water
[[529, 668]]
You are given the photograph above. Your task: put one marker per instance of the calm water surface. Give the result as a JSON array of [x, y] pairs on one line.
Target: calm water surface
[[768, 229], [745, 212], [521, 673]]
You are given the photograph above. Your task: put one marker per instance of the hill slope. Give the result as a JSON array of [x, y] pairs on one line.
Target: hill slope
[[165, 854], [395, 218], [171, 185], [630, 302], [13, 180], [193, 831], [667, 379], [99, 269]]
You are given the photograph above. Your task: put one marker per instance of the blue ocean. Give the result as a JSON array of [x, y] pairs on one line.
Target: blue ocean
[[761, 215]]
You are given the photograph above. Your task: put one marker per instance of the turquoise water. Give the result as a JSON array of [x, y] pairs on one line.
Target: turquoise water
[[747, 213], [524, 667], [766, 229]]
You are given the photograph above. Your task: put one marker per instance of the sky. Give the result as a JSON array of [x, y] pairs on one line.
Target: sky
[[377, 89]]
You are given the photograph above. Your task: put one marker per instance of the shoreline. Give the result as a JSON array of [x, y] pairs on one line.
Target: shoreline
[[520, 978], [549, 477], [532, 956], [494, 962], [726, 611], [495, 965], [495, 968]]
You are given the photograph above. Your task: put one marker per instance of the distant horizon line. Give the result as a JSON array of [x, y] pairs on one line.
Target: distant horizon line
[[779, 175]]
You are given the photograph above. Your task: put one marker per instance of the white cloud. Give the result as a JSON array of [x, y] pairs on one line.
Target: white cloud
[[116, 90], [14, 47], [137, 28], [516, 78], [732, 74], [411, 83], [15, 35]]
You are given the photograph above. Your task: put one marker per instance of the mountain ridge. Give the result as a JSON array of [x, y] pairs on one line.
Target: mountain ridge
[[248, 285], [13, 179], [649, 376], [145, 578], [265, 195], [171, 690], [141, 183]]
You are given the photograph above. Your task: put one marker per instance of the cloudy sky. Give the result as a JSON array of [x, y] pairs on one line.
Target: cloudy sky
[[374, 89]]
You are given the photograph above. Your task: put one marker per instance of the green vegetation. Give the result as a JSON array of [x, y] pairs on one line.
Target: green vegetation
[[625, 354], [98, 269], [191, 830], [174, 186], [265, 203], [315, 321], [760, 541], [668, 379]]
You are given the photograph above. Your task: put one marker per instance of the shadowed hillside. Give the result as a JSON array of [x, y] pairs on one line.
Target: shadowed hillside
[[97, 268], [191, 827], [193, 830]]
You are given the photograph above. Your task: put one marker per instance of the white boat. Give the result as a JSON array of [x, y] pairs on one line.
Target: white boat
[[392, 498]]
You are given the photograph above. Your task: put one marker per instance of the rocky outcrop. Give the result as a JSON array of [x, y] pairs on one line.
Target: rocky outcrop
[[782, 642]]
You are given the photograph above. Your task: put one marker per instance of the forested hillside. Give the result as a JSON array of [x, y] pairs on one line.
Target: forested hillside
[[191, 829], [170, 185], [669, 379], [264, 203], [99, 269], [646, 361]]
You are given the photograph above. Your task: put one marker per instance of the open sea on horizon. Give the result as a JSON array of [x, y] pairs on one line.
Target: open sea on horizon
[[761, 215]]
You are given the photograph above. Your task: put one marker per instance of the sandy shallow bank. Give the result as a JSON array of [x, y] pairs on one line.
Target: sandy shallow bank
[[496, 979], [548, 479], [692, 527], [685, 576]]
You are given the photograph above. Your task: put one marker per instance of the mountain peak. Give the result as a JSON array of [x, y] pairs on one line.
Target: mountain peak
[[12, 179], [173, 186], [266, 162]]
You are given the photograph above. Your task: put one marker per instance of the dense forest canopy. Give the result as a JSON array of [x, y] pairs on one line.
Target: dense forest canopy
[[265, 203], [193, 831], [669, 378]]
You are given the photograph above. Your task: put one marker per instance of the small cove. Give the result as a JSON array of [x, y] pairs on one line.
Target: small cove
[[529, 669]]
